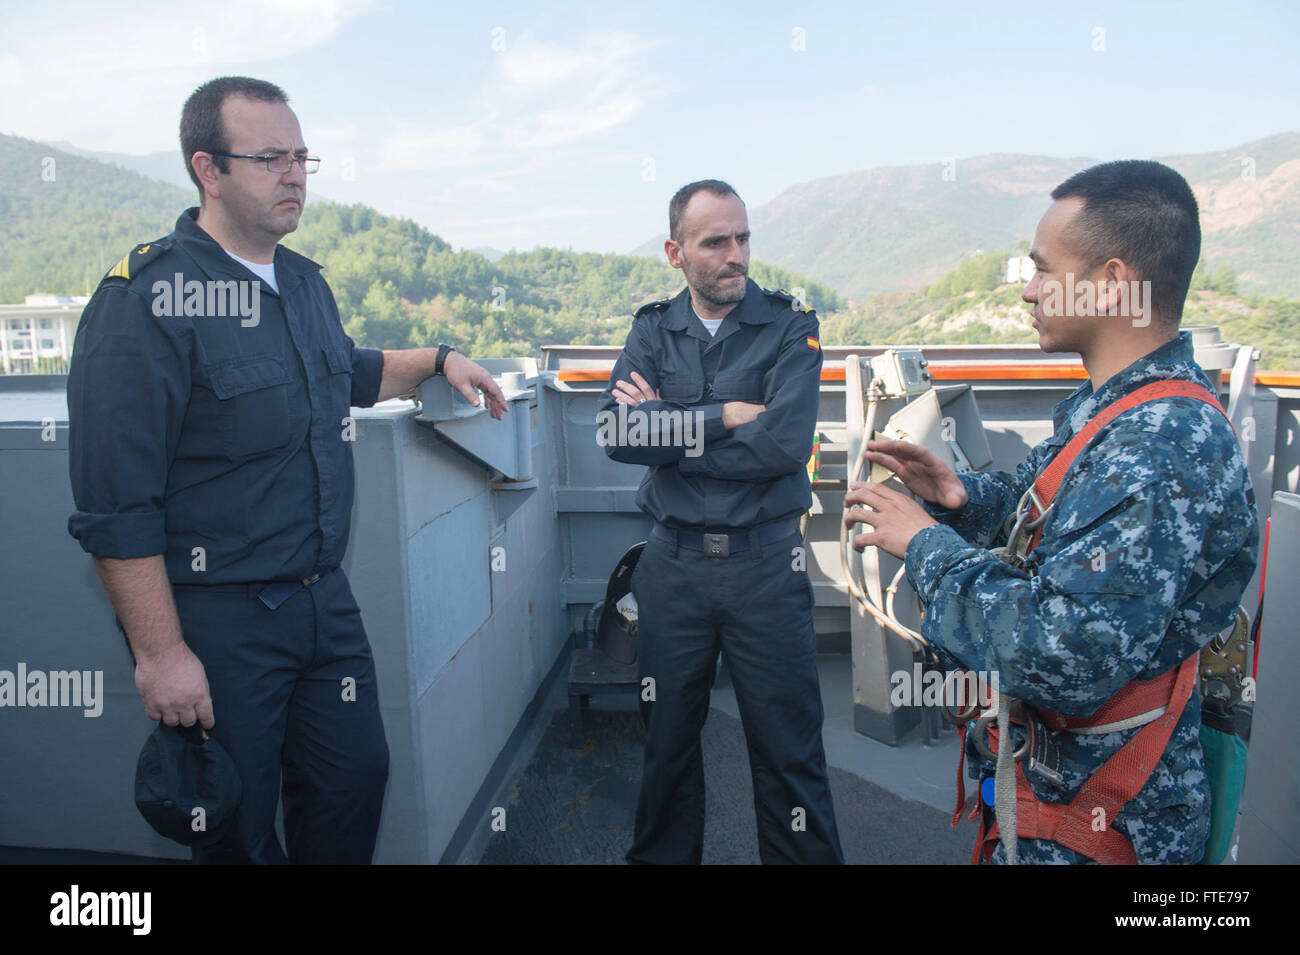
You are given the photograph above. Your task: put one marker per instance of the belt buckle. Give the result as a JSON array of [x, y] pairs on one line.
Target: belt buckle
[[717, 545]]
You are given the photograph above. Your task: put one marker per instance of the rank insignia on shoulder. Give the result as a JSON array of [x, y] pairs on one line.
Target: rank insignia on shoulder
[[135, 260], [653, 306], [797, 304], [814, 344]]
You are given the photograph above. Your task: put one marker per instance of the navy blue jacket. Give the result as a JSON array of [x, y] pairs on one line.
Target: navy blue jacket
[[219, 429], [765, 352]]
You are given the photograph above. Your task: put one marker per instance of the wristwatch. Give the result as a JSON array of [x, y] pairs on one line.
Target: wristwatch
[[443, 352]]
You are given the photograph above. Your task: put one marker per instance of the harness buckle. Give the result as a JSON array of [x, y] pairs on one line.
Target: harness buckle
[[1017, 547], [979, 735], [1040, 752], [1045, 757], [1033, 524]]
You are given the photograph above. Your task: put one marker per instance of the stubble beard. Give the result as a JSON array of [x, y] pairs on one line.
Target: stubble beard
[[709, 288]]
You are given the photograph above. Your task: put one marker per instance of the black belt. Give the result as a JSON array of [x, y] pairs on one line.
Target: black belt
[[272, 592], [726, 545]]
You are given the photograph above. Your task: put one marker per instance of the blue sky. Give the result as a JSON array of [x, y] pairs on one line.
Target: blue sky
[[511, 125]]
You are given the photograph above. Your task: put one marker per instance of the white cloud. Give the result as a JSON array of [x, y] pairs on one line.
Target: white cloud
[[542, 66], [598, 57], [103, 83], [540, 96], [562, 125], [412, 147], [466, 165]]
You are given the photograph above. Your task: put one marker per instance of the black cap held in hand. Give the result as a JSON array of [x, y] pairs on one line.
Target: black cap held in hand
[[182, 769]]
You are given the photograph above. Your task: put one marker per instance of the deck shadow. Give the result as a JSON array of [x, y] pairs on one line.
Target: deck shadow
[[576, 804]]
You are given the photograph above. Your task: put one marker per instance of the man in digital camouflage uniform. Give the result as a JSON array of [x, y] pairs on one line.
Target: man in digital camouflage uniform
[[1153, 535]]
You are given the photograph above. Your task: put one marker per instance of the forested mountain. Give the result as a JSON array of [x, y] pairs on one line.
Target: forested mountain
[[166, 165], [896, 228], [398, 284], [65, 220], [973, 305]]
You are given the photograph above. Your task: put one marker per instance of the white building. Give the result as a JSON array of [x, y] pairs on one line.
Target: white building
[[36, 337], [1020, 268]]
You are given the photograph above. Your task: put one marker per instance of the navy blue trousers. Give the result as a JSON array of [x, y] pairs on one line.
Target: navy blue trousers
[[293, 693], [757, 608]]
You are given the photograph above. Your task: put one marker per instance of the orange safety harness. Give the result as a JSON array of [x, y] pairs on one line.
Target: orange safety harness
[[1156, 705]]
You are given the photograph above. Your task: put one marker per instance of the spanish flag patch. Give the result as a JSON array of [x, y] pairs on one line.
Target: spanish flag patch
[[814, 344]]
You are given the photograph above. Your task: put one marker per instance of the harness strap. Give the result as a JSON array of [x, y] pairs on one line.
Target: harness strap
[[1049, 482], [961, 776], [1137, 701], [1084, 824], [986, 840]]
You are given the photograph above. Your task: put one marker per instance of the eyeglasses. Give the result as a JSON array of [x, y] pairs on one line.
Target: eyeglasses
[[280, 163]]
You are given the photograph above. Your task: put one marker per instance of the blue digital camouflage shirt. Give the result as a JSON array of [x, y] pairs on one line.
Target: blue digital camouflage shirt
[[1143, 560]]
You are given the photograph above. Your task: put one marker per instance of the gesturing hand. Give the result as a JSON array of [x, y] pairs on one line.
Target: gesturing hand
[[921, 471], [895, 520]]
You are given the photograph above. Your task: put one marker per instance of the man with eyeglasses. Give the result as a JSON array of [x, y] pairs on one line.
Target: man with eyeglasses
[[211, 465]]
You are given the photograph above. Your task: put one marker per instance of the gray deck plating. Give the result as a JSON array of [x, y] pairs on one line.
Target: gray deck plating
[[576, 804]]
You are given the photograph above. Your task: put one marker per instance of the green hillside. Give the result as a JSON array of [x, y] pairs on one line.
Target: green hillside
[[64, 223], [400, 285], [397, 284], [971, 305]]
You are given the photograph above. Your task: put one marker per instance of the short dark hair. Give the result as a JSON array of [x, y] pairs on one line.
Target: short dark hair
[[1145, 214], [201, 127], [677, 205]]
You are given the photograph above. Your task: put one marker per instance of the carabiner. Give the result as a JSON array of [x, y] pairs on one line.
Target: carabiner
[[959, 716], [980, 734]]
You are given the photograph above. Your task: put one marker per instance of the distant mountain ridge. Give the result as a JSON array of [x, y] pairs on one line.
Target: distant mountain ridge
[[66, 219], [897, 228], [165, 165]]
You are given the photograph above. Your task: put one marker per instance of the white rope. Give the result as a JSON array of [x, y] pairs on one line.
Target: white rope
[[858, 589], [1004, 786], [1142, 719]]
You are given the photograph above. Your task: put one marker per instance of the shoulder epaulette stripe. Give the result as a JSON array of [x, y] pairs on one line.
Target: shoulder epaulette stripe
[[122, 270], [141, 254]]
